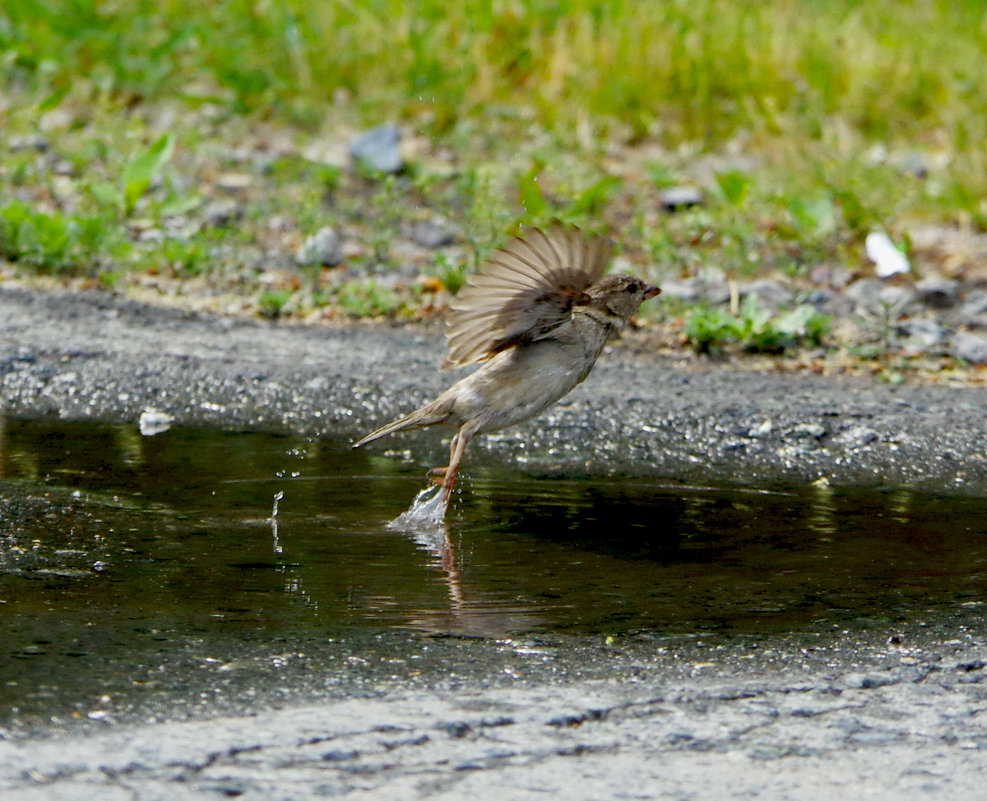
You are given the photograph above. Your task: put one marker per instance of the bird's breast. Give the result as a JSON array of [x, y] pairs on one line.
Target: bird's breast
[[521, 382]]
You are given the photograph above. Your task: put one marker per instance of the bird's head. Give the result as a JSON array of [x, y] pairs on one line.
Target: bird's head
[[620, 294]]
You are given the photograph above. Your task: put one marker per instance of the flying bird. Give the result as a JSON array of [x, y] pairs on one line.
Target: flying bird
[[537, 315]]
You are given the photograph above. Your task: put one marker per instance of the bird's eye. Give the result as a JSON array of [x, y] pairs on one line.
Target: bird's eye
[[633, 288]]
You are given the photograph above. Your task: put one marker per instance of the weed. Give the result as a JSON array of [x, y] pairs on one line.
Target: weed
[[53, 242], [733, 185], [185, 259], [385, 217], [142, 169], [756, 330], [272, 302], [709, 329], [451, 272], [367, 299]]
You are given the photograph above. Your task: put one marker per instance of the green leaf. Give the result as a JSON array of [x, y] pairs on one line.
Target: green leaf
[[54, 100], [733, 186], [144, 168]]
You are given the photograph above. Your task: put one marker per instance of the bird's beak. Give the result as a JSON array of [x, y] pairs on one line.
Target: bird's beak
[[651, 292]]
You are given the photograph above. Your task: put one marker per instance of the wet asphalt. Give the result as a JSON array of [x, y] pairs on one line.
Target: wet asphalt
[[882, 714]]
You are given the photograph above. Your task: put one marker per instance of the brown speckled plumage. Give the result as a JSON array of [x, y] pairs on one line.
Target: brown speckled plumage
[[538, 314]]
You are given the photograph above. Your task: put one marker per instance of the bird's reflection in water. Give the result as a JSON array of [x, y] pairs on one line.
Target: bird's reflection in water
[[469, 614]]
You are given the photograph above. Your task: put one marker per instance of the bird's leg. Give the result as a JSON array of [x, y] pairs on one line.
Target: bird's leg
[[436, 474], [456, 450]]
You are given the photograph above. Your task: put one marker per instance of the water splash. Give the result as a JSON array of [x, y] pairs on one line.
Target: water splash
[[274, 520], [426, 513]]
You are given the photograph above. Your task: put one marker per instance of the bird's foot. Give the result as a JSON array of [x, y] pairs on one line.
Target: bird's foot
[[445, 478]]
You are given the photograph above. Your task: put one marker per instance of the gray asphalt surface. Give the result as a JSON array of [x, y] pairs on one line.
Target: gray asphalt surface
[[95, 357], [849, 716]]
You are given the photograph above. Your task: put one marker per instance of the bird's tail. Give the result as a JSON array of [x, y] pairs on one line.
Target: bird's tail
[[438, 411]]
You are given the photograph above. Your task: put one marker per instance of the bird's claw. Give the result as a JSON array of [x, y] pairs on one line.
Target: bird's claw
[[442, 477], [437, 475]]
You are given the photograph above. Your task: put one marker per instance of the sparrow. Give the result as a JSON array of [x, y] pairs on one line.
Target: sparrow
[[537, 315]]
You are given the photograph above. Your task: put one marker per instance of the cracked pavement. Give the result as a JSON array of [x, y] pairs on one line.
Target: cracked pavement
[[913, 730]]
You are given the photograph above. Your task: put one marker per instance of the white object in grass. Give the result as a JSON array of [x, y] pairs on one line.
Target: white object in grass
[[887, 258]]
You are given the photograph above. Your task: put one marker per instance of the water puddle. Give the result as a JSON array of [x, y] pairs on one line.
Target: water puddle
[[124, 557]]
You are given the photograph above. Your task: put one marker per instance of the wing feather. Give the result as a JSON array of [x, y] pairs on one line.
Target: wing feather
[[525, 291]]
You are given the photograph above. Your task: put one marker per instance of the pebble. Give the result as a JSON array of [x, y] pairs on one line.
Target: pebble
[[30, 142], [897, 297], [220, 213], [434, 232], [915, 164], [856, 437], [809, 431], [687, 290], [675, 198], [233, 182], [770, 293], [762, 430], [708, 285], [974, 309], [870, 294], [865, 293], [154, 421], [324, 247], [922, 335], [379, 149], [938, 292], [970, 347]]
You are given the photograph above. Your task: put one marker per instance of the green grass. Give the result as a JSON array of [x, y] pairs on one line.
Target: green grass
[[580, 110], [696, 70]]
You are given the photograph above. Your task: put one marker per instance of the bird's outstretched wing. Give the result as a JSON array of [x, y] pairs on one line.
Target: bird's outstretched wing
[[526, 290]]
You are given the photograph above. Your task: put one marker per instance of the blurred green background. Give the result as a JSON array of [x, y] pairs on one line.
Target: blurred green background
[[804, 124]]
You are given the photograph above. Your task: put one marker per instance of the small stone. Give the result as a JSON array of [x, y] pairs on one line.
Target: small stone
[[973, 312], [938, 292], [762, 430], [896, 298], [30, 142], [976, 302], [915, 164], [220, 213], [970, 347], [820, 298], [770, 293], [434, 232], [154, 421], [695, 289], [865, 292], [687, 290], [409, 259], [233, 182], [856, 437], [921, 335], [379, 149], [680, 197], [809, 431], [873, 296], [324, 247]]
